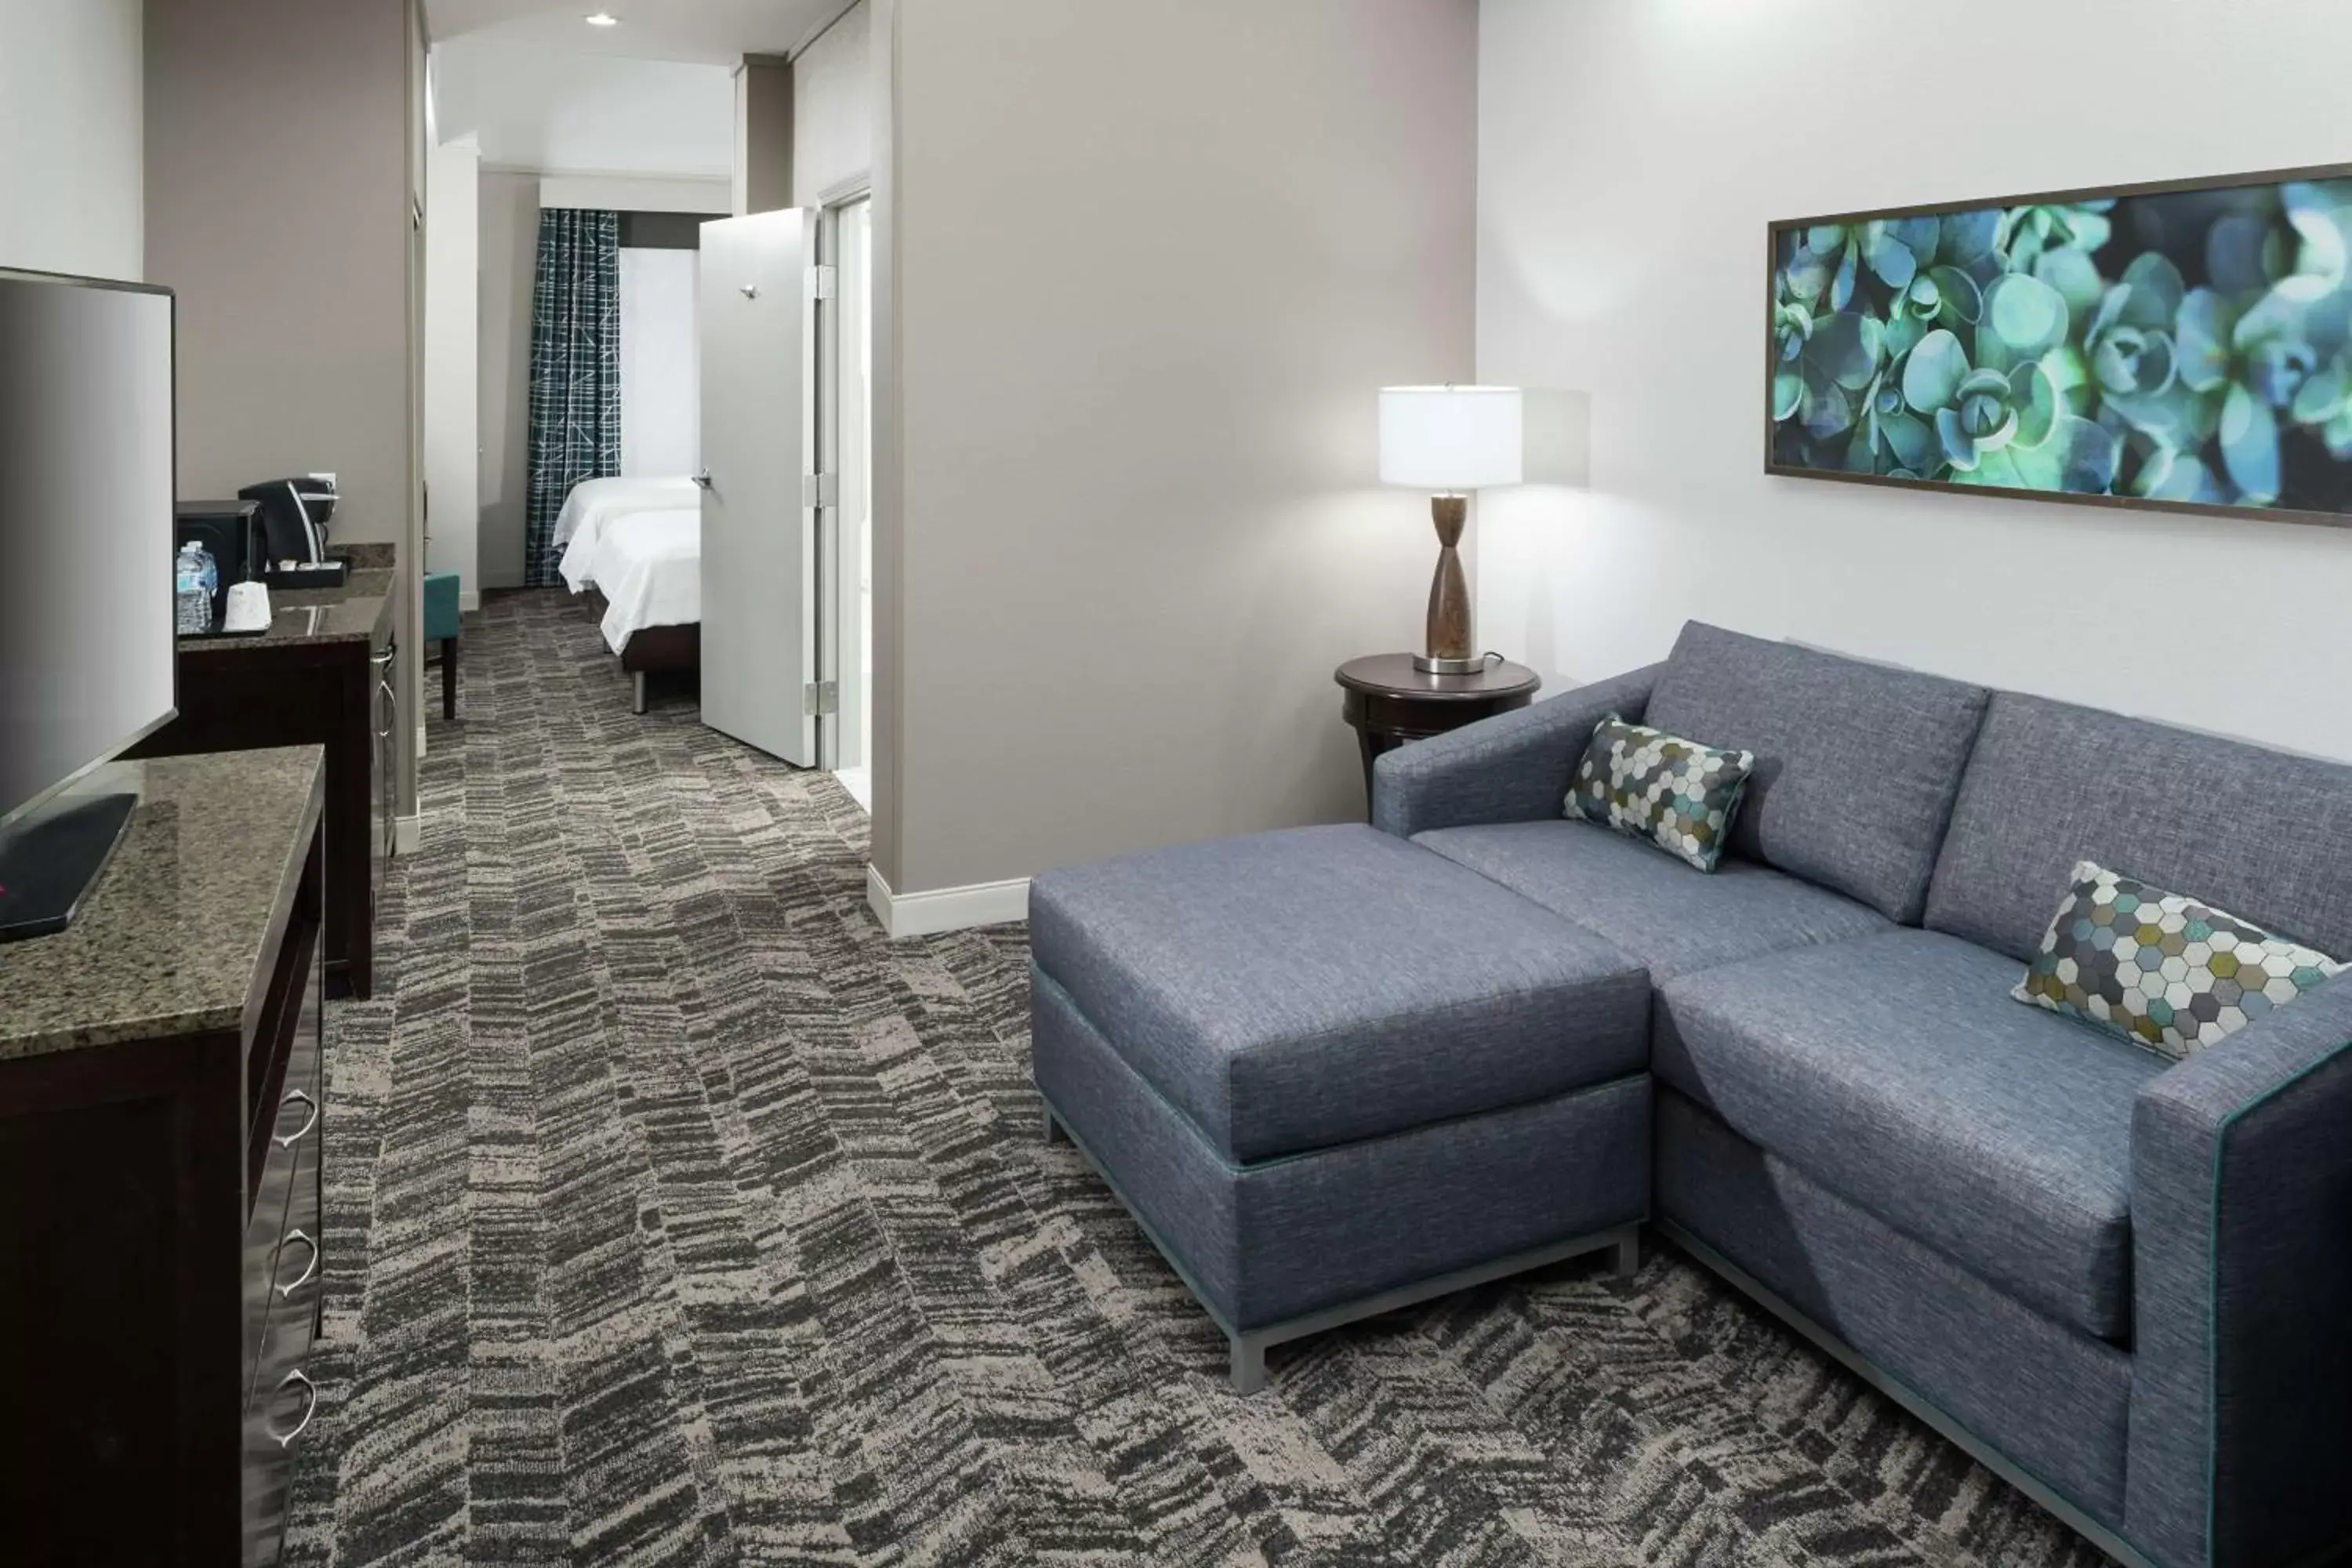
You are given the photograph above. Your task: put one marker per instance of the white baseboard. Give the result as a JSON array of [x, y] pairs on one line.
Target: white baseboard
[[407, 834], [420, 742], [945, 909], [468, 601]]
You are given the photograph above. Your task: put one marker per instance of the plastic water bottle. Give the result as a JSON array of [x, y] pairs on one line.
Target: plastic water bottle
[[193, 600]]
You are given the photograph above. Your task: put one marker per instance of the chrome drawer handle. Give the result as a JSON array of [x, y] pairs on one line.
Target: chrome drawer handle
[[304, 1130], [286, 1292], [310, 1408]]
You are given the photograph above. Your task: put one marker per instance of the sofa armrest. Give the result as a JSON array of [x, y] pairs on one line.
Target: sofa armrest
[[1514, 767], [2241, 1242]]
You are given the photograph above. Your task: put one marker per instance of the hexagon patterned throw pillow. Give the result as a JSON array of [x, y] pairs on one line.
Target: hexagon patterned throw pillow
[[2163, 970], [1676, 793]]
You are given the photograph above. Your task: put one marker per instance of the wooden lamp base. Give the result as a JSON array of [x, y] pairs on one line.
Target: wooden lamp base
[[1450, 648]]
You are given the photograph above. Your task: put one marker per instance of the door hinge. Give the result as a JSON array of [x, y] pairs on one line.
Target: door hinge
[[820, 490], [821, 696], [823, 278]]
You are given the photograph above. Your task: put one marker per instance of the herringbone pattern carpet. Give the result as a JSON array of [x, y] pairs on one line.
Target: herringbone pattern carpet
[[674, 1216]]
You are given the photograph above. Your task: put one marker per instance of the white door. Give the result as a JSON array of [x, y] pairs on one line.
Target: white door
[[758, 535]]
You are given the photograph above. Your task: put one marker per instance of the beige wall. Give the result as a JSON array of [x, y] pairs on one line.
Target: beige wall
[[1145, 266], [70, 154], [278, 146], [763, 134], [832, 108], [277, 206], [886, 502]]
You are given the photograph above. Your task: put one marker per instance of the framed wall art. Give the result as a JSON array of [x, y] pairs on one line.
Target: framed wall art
[[2185, 345]]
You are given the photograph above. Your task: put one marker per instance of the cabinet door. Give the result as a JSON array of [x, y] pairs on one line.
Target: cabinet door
[[383, 789]]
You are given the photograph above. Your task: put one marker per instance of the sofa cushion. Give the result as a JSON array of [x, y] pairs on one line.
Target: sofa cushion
[[1946, 1333], [1856, 763], [1660, 788], [2159, 969], [1897, 1071], [2262, 832], [1647, 906], [1291, 990]]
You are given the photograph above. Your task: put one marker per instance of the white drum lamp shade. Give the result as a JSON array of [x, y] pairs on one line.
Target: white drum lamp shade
[[1449, 439]]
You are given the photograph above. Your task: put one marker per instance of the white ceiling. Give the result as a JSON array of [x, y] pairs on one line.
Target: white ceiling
[[708, 31], [542, 90], [537, 107]]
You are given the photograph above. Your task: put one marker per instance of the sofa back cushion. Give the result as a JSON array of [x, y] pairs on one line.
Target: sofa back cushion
[[1856, 763], [2262, 832]]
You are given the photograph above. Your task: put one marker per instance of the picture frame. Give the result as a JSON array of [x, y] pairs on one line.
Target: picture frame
[[2191, 351]]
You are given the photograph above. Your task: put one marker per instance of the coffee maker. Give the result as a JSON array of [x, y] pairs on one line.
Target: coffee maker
[[294, 516]]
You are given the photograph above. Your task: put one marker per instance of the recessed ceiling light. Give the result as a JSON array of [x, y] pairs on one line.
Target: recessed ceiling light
[[603, 19]]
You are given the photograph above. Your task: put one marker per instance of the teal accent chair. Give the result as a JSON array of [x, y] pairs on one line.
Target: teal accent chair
[[441, 626]]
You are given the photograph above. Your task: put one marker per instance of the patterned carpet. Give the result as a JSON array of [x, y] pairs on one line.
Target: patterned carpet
[[674, 1216]]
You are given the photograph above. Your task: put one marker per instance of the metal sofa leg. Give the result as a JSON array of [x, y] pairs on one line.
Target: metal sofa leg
[[637, 702], [1054, 1134], [1248, 1363], [1628, 1255]]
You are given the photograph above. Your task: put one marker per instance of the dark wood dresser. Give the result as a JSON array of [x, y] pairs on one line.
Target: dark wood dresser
[[160, 1097], [323, 674]]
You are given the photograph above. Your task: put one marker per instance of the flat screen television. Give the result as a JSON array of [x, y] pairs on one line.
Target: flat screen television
[[88, 664]]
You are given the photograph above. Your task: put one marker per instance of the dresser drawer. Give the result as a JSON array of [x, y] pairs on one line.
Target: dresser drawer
[[283, 1282], [281, 1233], [264, 1230], [285, 1051], [278, 1412]]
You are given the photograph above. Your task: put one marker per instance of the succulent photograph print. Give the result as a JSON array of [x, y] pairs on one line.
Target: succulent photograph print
[[2191, 346]]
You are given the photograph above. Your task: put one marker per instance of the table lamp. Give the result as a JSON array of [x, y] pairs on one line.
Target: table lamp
[[1450, 440]]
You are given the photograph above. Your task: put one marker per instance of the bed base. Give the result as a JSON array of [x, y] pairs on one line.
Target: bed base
[[654, 651]]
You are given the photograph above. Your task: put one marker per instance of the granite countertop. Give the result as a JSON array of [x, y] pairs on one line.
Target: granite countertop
[[172, 941], [353, 613]]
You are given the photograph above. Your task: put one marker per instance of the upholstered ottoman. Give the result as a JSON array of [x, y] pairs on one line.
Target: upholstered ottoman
[[1332, 1074]]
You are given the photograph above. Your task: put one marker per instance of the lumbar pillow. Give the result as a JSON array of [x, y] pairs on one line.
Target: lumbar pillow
[[2162, 970], [1677, 793]]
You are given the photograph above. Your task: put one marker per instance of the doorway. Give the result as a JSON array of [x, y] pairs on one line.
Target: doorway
[[844, 420]]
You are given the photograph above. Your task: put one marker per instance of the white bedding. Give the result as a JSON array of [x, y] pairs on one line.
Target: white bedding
[[649, 569], [594, 503]]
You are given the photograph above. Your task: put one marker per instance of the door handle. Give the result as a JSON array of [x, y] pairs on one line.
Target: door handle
[[703, 479]]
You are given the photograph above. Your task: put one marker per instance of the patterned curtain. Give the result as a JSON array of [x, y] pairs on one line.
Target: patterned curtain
[[575, 371]]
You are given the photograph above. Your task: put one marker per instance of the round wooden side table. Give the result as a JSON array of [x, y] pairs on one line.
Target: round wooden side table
[[1389, 702]]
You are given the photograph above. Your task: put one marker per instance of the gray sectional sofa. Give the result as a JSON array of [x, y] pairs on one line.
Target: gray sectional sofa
[[1335, 1071]]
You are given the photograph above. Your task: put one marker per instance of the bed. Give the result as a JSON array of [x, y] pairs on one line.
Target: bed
[[591, 503], [649, 583], [635, 548]]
